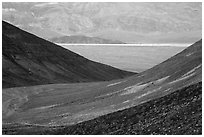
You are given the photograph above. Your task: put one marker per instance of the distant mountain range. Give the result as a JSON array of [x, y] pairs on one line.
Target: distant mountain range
[[84, 40], [29, 60], [129, 22]]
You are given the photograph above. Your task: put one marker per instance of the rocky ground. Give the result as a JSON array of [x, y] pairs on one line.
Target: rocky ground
[[178, 113]]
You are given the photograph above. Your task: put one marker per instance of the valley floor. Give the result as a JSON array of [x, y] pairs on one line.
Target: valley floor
[[177, 113]]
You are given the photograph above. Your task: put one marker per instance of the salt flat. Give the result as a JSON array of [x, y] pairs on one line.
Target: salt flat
[[130, 57]]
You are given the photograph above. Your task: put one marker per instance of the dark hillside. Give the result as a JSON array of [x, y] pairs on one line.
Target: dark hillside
[[29, 60]]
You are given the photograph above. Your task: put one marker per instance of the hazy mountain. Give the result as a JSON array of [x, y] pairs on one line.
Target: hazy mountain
[[134, 22], [165, 99], [83, 39], [29, 60]]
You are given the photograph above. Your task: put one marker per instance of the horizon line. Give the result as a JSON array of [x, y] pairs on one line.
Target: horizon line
[[143, 44]]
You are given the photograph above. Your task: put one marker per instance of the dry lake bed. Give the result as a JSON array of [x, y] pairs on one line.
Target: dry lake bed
[[131, 57]]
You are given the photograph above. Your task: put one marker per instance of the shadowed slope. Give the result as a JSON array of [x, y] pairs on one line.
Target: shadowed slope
[[29, 60]]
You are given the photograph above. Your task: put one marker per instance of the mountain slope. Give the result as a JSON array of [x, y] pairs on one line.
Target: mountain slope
[[83, 40], [179, 113], [29, 60], [56, 105]]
